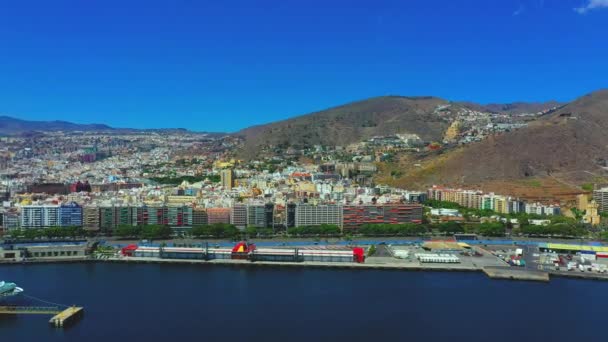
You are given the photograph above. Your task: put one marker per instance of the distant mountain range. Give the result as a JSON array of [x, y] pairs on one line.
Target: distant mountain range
[[12, 126]]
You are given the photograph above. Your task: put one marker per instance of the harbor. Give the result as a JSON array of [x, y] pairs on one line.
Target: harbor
[[209, 299], [10, 292], [498, 259]]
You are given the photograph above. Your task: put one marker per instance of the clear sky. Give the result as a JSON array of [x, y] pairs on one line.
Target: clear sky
[[223, 65]]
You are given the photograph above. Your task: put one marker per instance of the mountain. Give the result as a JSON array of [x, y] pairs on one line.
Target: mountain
[[426, 116], [11, 126], [351, 123], [569, 146]]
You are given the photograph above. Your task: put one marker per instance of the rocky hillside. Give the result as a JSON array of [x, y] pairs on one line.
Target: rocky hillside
[[569, 145], [351, 123]]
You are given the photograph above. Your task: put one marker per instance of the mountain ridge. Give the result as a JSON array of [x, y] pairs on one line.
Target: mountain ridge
[[567, 145], [12, 126]]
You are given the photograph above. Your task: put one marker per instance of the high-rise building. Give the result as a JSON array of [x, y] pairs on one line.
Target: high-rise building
[[260, 215], [582, 201], [90, 217], [501, 205], [316, 215], [290, 217], [601, 198], [357, 215], [269, 213], [227, 177], [180, 216], [11, 221], [199, 217], [70, 215], [238, 215], [256, 217], [156, 215], [40, 216], [218, 215], [112, 217]]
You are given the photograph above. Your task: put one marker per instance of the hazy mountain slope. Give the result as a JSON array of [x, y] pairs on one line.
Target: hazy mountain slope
[[9, 125], [351, 123]]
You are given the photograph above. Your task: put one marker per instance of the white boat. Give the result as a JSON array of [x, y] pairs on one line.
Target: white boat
[[9, 289]]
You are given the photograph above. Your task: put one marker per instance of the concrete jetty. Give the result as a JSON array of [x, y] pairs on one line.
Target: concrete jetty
[[67, 316], [515, 274]]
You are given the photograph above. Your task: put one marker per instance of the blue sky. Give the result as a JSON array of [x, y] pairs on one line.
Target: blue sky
[[225, 65]]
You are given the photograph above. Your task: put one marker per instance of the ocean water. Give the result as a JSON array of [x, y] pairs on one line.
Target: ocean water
[[147, 302]]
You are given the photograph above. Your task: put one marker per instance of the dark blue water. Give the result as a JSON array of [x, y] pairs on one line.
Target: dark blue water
[[183, 302]]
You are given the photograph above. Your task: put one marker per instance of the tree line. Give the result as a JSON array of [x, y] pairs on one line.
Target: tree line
[[561, 227], [51, 232]]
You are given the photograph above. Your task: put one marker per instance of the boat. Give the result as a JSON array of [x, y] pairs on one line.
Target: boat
[[9, 290]]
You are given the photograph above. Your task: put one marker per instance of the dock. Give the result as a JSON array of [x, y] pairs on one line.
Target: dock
[[60, 318], [515, 274], [40, 310], [67, 316]]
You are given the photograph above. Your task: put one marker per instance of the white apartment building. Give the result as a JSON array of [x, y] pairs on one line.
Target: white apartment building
[[39, 216], [316, 215]]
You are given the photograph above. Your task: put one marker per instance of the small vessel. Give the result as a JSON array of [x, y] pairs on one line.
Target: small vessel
[[9, 290]]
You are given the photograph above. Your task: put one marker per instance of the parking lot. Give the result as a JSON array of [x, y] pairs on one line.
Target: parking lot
[[473, 258]]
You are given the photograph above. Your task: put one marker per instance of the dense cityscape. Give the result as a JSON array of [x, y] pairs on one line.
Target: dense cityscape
[[303, 171]]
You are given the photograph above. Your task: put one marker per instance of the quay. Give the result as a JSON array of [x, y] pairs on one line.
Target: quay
[[67, 316], [515, 274], [60, 318]]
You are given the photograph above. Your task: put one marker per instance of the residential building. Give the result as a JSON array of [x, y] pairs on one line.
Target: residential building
[[40, 216], [199, 217], [354, 216], [256, 216], [70, 215], [238, 215], [90, 217], [591, 214], [218, 215], [315, 215], [290, 217], [179, 216], [601, 198]]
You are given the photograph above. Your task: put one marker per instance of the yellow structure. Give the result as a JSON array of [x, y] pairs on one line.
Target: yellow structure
[[227, 178], [501, 205], [180, 199], [452, 132], [591, 215], [226, 164], [582, 201]]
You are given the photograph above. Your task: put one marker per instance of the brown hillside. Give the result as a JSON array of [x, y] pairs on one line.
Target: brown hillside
[[351, 123], [570, 141]]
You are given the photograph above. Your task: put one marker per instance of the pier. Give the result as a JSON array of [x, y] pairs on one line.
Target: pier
[[63, 315], [515, 274], [67, 316]]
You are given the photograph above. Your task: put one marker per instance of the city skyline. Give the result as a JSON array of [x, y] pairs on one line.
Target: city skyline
[[118, 62]]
